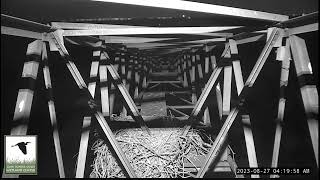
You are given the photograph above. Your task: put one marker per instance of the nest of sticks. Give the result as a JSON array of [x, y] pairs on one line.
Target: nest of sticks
[[161, 155]]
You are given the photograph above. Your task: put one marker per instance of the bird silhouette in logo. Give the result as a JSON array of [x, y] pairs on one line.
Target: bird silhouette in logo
[[22, 146]]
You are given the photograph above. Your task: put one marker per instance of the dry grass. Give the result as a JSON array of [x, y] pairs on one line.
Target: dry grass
[[161, 155]]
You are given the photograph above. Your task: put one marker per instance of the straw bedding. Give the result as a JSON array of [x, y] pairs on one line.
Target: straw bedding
[[161, 155]]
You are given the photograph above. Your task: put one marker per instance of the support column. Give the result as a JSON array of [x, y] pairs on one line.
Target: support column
[[248, 135], [185, 79], [308, 89], [179, 65], [104, 81], [123, 76], [227, 85], [129, 75], [217, 88], [226, 95], [83, 148], [112, 87], [52, 111], [145, 73], [206, 114], [199, 69], [136, 78], [140, 71], [283, 55], [193, 78], [25, 94]]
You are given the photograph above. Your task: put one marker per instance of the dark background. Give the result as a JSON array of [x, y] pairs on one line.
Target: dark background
[[60, 10], [296, 148]]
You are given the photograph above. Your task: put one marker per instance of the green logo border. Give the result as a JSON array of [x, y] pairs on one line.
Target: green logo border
[[5, 157]]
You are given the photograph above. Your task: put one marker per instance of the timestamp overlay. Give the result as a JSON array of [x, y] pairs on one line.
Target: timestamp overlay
[[275, 171]]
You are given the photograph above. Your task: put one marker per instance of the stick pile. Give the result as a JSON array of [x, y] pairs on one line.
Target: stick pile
[[161, 155]]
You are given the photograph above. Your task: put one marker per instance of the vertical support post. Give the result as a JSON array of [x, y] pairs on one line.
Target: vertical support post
[[103, 76], [185, 79], [25, 94], [284, 50], [129, 75], [145, 73], [193, 78], [217, 88], [112, 87], [140, 73], [226, 89], [180, 77], [94, 72], [248, 135], [189, 69], [308, 89], [52, 111], [199, 66], [123, 76], [206, 62], [136, 78], [83, 148], [151, 65], [206, 114], [251, 152], [206, 117], [141, 76], [81, 163], [199, 77]]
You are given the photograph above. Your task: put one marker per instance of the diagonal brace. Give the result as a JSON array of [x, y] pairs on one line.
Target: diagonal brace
[[82, 85]]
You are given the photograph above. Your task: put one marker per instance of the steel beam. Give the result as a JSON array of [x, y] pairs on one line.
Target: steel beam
[[68, 25], [303, 29], [177, 111], [87, 119], [308, 90], [82, 156], [25, 95], [284, 77], [206, 114], [20, 32], [104, 89], [147, 30], [204, 8], [52, 111]]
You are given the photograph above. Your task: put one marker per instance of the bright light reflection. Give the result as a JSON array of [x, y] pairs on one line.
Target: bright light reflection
[[21, 105], [309, 66]]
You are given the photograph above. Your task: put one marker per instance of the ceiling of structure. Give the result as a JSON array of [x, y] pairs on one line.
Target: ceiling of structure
[[87, 10], [98, 12]]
